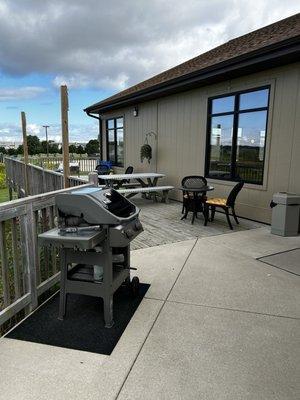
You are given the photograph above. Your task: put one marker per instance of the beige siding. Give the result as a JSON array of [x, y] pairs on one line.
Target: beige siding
[[180, 122], [135, 131]]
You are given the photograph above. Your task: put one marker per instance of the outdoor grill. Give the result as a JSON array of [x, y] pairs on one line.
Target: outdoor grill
[[95, 228]]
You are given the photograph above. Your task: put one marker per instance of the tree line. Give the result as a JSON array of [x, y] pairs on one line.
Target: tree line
[[36, 146]]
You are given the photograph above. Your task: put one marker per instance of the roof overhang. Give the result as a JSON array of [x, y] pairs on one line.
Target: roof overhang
[[282, 53]]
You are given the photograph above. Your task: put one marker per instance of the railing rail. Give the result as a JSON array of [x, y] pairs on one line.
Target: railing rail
[[40, 180], [27, 270], [85, 164]]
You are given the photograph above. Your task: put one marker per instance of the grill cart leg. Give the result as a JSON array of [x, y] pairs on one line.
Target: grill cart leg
[[63, 280], [108, 284], [108, 311], [127, 259]]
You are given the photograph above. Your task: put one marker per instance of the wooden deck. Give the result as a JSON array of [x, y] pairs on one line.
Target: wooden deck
[[162, 224]]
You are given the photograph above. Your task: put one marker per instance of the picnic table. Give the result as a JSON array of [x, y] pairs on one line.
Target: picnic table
[[146, 184], [147, 179]]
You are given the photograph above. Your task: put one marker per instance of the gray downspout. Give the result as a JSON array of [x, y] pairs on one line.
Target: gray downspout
[[100, 133]]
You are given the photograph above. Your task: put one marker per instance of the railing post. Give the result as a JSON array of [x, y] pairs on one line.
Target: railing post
[[4, 266], [25, 151], [31, 255], [93, 178], [65, 133]]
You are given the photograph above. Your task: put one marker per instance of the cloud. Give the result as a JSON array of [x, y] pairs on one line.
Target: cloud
[[77, 133], [20, 93], [82, 81], [33, 129], [111, 45]]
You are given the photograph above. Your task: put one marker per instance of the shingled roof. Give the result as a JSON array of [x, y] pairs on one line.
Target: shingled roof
[[264, 39]]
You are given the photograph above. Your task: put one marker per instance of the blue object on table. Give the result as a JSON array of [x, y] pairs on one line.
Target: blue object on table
[[104, 164]]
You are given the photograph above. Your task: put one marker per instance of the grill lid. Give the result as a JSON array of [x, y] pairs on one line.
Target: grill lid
[[96, 206]]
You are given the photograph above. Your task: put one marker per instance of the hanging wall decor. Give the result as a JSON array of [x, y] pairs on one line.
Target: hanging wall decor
[[146, 149]]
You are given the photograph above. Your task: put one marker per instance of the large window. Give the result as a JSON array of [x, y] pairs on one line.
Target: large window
[[236, 139], [115, 140]]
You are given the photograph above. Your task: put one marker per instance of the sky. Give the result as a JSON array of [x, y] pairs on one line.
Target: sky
[[100, 47]]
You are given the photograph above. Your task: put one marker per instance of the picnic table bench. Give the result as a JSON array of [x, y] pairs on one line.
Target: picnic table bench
[[152, 190]]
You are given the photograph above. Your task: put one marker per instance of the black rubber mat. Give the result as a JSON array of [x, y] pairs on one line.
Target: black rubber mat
[[83, 326]]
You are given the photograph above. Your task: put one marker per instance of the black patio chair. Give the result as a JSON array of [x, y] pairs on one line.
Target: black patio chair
[[226, 204], [193, 202], [102, 169], [129, 170]]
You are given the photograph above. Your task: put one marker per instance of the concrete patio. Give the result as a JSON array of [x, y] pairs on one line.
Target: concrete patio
[[216, 323]]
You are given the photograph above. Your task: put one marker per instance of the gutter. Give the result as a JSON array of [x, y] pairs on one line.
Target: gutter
[[100, 131], [263, 58]]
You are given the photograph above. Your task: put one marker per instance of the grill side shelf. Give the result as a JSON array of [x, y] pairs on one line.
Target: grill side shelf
[[82, 241]]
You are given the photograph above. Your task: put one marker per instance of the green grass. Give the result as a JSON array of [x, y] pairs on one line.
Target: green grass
[[4, 195]]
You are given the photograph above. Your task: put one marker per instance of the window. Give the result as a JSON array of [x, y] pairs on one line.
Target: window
[[236, 139], [115, 140]]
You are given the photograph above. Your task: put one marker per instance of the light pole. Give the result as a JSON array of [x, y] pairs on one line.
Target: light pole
[[47, 144]]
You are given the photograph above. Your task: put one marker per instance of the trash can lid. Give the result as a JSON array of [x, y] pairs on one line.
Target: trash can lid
[[286, 198]]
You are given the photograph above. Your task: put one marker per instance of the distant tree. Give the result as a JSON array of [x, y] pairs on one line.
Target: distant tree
[[43, 147], [3, 150], [92, 147], [72, 148], [80, 149], [12, 152], [53, 147], [34, 144], [20, 149]]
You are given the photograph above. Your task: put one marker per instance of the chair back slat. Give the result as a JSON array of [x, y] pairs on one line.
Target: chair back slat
[[193, 182], [129, 170], [233, 194]]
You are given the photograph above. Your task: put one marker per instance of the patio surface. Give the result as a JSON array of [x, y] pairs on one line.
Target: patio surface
[[162, 224], [215, 324]]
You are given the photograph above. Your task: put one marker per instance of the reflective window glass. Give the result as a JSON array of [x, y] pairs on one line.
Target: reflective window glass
[[220, 145], [256, 99], [119, 122], [120, 146], [115, 141], [223, 104], [237, 140], [111, 123], [251, 136]]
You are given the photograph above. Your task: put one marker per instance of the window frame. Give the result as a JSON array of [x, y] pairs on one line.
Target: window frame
[[235, 113], [115, 162]]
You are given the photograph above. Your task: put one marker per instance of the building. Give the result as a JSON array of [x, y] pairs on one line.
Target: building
[[10, 145], [231, 113]]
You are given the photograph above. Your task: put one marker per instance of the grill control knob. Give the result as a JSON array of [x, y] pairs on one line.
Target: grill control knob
[[128, 233], [138, 226]]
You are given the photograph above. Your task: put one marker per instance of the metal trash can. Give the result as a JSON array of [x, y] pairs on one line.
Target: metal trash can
[[285, 214]]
